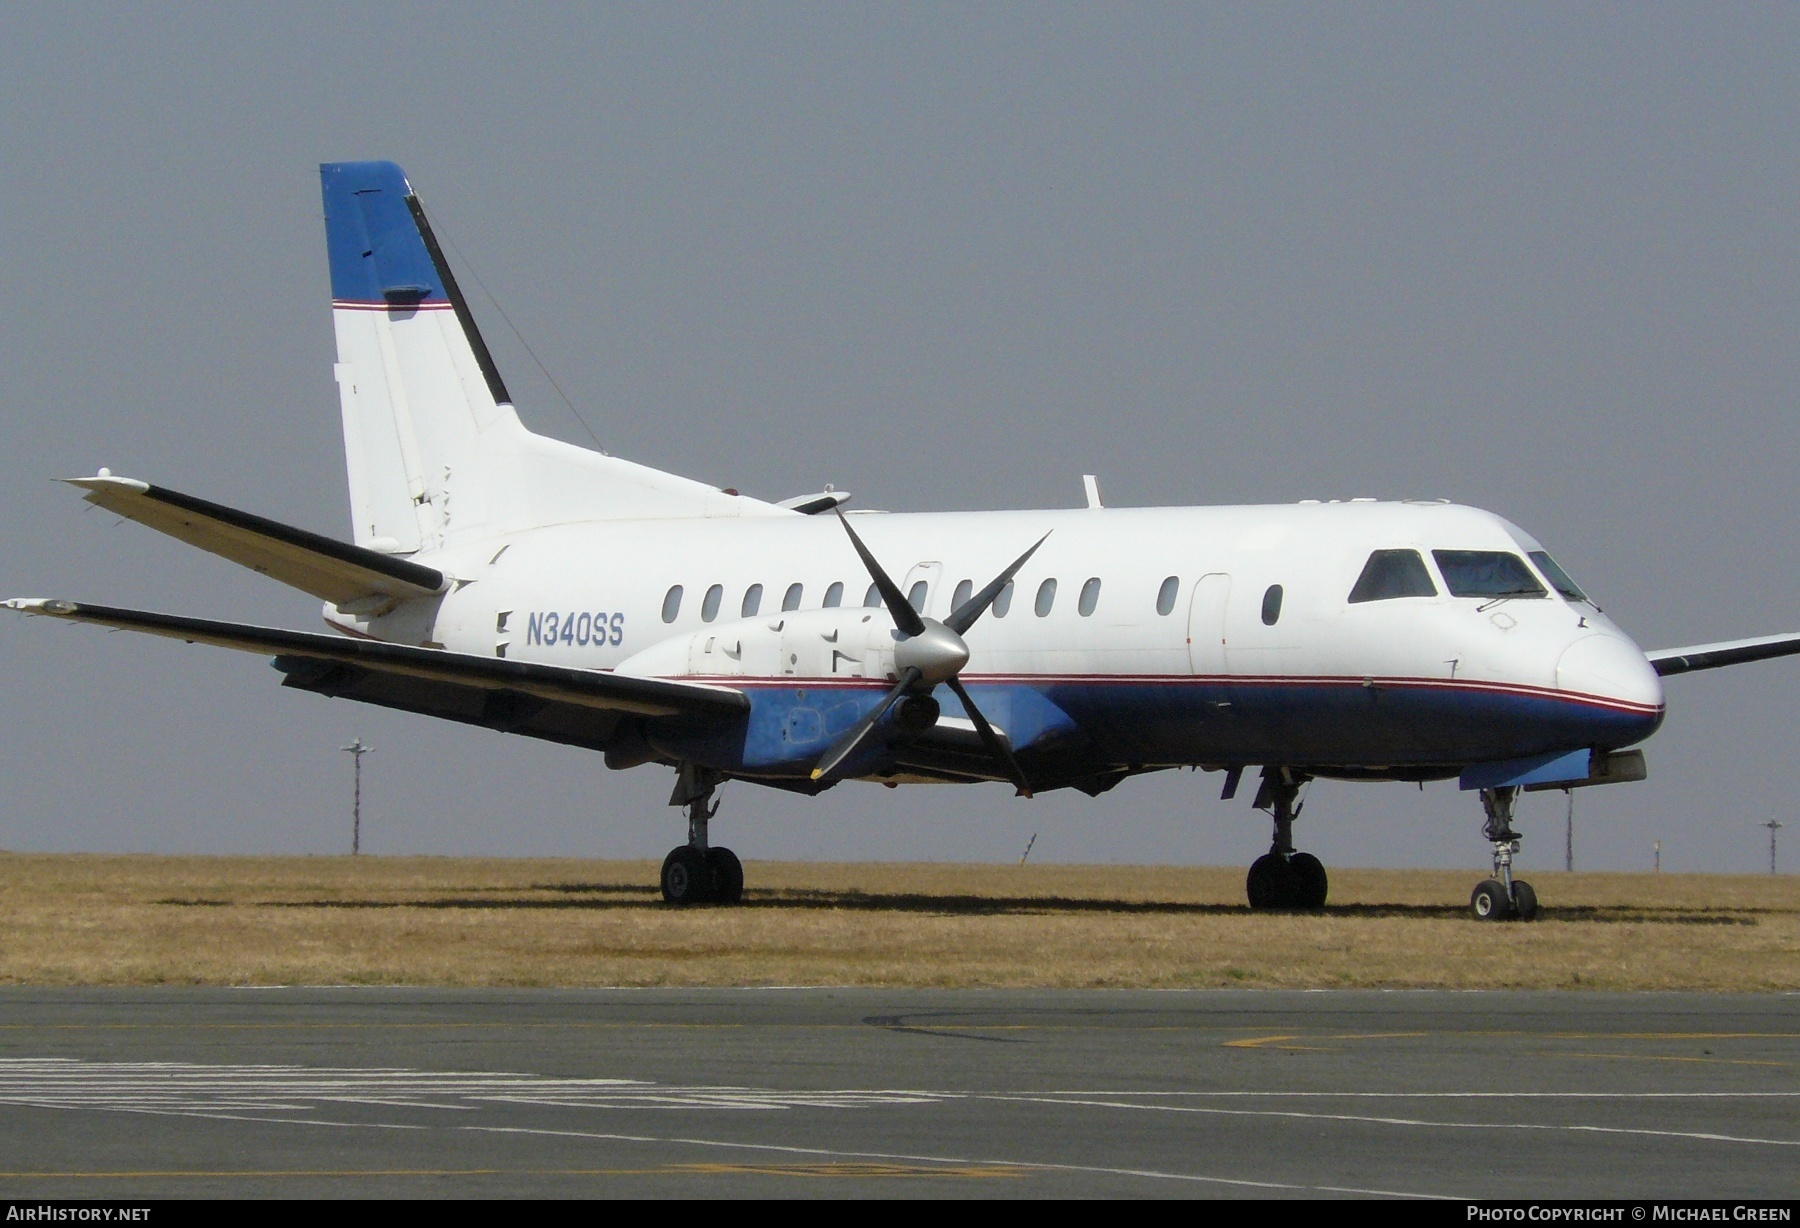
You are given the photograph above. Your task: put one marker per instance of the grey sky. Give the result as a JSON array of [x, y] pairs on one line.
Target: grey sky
[[1540, 259]]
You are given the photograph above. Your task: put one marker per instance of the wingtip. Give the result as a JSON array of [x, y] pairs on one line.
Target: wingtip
[[38, 605], [107, 480]]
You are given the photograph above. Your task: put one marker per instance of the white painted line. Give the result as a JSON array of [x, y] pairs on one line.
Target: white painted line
[[1295, 1114], [1036, 1165]]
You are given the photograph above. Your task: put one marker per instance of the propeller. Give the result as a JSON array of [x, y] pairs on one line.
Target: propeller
[[930, 652]]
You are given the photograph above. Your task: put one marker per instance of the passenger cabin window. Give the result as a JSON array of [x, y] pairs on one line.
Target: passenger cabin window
[[1559, 579], [791, 599], [672, 603], [1046, 597], [963, 589], [709, 604], [1003, 600], [752, 601], [1090, 596], [1486, 573], [1271, 611], [1393, 573], [1165, 596], [915, 596], [872, 598], [834, 596]]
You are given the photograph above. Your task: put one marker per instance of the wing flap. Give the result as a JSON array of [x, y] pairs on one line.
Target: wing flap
[[595, 689], [1668, 661], [311, 562]]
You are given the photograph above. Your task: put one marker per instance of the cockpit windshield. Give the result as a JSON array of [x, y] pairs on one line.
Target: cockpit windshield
[[1559, 579], [1487, 573], [1393, 573]]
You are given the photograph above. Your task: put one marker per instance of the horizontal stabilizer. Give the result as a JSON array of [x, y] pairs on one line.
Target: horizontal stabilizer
[[329, 569], [582, 687], [1668, 661]]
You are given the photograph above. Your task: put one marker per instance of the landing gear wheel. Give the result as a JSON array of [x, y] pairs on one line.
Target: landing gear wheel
[[1310, 883], [1490, 903], [727, 876], [1524, 900], [1271, 882], [686, 877]]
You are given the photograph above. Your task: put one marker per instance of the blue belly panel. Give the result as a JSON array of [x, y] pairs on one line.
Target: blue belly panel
[[1089, 724]]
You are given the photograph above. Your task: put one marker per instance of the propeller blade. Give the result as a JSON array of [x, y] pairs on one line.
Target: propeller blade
[[965, 614], [905, 617], [1000, 750], [855, 735]]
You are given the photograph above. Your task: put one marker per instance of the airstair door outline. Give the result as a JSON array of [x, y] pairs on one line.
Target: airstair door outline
[[1206, 624], [932, 573]]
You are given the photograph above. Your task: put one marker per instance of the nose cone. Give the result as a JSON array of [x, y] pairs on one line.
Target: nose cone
[[1613, 669]]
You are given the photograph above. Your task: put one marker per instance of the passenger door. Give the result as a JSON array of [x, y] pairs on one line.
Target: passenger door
[[1206, 624]]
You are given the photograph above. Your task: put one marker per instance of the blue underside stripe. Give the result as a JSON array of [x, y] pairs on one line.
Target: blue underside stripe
[[1218, 722]]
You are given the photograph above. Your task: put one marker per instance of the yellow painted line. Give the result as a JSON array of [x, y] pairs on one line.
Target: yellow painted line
[[1253, 1042], [1653, 1057], [1261, 1042], [826, 1169]]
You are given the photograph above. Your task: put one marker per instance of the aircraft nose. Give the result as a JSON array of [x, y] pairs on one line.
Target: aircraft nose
[[1610, 667]]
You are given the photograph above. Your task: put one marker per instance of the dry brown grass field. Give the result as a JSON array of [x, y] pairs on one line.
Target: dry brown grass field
[[138, 920]]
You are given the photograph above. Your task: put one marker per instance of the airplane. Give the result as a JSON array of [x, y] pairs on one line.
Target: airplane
[[505, 579]]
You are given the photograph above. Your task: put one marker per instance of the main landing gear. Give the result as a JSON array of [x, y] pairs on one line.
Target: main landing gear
[[696, 872], [1282, 878], [1502, 897]]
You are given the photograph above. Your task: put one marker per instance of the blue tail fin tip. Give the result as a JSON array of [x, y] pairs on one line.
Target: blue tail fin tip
[[377, 253]]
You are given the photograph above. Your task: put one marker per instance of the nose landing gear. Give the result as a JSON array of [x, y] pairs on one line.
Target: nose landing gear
[[1282, 878], [697, 872], [1502, 897]]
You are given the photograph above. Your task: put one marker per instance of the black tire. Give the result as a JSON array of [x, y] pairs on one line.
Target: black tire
[[1270, 883], [727, 876], [1525, 905], [1310, 882], [1489, 901], [686, 878]]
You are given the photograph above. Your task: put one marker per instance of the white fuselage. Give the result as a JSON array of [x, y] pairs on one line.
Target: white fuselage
[[1203, 679]]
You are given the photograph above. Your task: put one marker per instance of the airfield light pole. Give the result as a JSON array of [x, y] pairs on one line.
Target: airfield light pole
[[1773, 827], [356, 750]]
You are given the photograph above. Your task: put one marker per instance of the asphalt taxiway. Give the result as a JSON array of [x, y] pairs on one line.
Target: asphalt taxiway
[[821, 1092]]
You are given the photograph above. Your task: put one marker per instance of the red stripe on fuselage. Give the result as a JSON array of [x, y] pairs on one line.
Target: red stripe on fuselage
[[341, 304]]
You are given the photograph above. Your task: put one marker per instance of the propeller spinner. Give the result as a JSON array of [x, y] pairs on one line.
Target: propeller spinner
[[929, 653]]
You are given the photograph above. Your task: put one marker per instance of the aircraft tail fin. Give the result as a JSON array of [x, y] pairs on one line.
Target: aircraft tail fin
[[434, 449]]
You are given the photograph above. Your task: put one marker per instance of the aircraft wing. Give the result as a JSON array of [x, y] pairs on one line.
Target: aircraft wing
[[1668, 661], [576, 706], [325, 567]]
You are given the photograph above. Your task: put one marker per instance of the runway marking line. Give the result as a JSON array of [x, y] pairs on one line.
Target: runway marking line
[[1319, 1095], [1702, 1136], [1275, 1042], [1656, 1057], [841, 1169], [1036, 1165]]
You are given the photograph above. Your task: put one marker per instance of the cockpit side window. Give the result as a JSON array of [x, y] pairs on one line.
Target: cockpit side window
[[1559, 579], [1486, 573], [1393, 573]]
